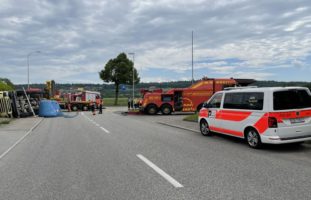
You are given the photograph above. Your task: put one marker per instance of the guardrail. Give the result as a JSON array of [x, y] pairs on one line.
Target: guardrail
[[5, 107]]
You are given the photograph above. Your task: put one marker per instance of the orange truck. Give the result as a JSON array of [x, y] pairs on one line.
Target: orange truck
[[188, 99]]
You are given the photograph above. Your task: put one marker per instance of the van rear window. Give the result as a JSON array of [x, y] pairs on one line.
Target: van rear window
[[291, 99]]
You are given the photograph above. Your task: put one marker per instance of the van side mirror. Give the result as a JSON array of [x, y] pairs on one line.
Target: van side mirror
[[206, 105]]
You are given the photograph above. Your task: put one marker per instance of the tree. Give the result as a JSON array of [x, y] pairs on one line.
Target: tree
[[6, 85], [119, 71]]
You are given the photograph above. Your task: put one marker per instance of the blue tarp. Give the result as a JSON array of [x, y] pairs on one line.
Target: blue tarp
[[49, 108]]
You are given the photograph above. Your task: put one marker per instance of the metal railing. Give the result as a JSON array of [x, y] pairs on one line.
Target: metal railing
[[5, 106]]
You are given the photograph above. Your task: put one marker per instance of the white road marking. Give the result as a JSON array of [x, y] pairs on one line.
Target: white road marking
[[92, 121], [160, 171], [102, 128], [18, 141]]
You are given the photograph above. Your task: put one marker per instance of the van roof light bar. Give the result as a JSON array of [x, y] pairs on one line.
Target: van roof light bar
[[239, 88]]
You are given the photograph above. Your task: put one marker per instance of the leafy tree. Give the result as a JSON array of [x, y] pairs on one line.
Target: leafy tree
[[6, 85], [119, 71]]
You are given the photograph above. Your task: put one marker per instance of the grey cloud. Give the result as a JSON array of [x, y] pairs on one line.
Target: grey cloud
[[88, 33]]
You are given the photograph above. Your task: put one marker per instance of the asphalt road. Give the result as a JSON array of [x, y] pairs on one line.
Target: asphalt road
[[110, 156]]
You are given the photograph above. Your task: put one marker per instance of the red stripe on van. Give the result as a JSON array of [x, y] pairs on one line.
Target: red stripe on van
[[226, 131], [262, 124], [232, 115], [290, 115], [203, 112]]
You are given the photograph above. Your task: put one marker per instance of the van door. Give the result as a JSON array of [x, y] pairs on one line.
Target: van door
[[178, 101], [213, 107]]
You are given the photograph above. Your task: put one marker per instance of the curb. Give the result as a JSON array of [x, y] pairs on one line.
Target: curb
[[180, 127]]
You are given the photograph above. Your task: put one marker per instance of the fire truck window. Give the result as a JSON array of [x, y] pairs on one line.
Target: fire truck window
[[166, 98]]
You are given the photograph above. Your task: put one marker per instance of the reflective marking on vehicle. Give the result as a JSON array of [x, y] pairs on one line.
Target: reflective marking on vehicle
[[232, 115], [227, 131]]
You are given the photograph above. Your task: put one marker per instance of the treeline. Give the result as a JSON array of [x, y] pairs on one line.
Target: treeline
[[108, 90]]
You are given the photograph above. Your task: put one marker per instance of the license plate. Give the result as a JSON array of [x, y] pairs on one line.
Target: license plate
[[297, 120]]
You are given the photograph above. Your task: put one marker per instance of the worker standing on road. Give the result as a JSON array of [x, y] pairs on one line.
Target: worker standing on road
[[100, 107], [93, 107], [68, 105], [129, 103]]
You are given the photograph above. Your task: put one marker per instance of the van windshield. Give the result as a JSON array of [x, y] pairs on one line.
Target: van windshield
[[291, 99]]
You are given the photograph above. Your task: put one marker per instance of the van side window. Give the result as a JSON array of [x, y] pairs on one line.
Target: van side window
[[248, 101], [215, 101]]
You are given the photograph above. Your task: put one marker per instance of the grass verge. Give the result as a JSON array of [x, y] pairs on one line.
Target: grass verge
[[4, 121], [110, 102], [191, 118]]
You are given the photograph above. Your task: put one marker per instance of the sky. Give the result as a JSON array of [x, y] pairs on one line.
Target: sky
[[263, 40]]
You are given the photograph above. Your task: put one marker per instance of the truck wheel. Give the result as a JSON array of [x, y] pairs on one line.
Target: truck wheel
[[74, 107], [152, 109], [204, 128], [166, 109], [85, 108], [253, 138]]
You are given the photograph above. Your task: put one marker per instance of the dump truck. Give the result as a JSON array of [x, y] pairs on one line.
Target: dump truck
[[188, 99]]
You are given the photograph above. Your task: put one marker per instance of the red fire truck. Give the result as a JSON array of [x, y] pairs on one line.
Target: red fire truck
[[188, 99], [79, 99]]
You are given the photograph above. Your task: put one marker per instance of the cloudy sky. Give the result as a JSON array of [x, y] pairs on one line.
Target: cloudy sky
[[266, 39]]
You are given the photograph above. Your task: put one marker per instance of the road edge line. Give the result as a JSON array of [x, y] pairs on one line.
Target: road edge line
[[165, 175], [20, 139], [180, 127]]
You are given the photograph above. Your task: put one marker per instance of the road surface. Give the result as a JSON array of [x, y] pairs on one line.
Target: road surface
[[110, 156]]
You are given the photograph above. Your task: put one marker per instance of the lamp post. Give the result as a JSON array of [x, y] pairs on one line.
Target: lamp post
[[133, 54], [28, 55]]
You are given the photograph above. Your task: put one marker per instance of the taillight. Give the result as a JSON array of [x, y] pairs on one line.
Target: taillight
[[272, 122]]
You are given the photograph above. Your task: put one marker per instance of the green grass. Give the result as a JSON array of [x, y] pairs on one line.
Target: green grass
[[4, 121], [110, 102], [191, 118]]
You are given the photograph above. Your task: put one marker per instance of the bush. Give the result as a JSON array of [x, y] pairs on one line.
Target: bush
[[6, 85]]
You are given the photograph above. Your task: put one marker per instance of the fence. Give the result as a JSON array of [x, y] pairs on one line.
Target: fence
[[5, 106]]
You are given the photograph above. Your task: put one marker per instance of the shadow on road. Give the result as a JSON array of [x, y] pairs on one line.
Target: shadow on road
[[276, 148], [67, 115]]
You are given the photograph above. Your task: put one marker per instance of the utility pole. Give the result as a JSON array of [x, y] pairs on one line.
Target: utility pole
[[133, 54], [192, 60]]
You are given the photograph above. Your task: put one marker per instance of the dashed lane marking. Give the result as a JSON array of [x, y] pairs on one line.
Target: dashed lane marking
[[170, 179]]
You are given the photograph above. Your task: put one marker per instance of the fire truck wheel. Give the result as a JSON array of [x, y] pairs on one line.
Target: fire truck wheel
[[152, 109], [74, 107], [166, 109], [253, 138], [85, 108], [204, 128]]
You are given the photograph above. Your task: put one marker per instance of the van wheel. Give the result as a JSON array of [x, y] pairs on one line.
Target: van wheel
[[204, 128], [253, 139], [152, 110], [85, 108], [166, 110]]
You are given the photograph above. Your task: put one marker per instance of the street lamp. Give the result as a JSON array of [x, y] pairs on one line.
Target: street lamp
[[133, 54], [28, 55]]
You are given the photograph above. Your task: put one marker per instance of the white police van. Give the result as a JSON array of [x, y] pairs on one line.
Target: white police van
[[273, 115]]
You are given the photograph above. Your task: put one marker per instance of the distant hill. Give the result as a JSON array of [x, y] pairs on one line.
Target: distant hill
[[107, 90]]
